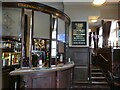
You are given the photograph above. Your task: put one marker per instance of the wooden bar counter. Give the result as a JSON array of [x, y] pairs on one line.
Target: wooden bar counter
[[54, 77]]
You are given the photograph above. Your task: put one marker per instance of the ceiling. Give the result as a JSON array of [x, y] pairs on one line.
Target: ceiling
[[60, 1], [87, 0], [77, 2]]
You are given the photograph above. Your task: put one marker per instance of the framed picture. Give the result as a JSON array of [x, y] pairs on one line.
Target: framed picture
[[79, 33]]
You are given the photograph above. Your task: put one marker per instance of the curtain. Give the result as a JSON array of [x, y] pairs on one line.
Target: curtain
[[108, 26], [106, 33], [104, 28], [97, 39], [94, 39], [90, 38]]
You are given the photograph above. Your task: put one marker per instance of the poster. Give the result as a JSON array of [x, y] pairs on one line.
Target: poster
[[79, 33]]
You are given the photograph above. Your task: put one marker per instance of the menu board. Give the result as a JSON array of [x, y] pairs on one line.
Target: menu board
[[79, 33]]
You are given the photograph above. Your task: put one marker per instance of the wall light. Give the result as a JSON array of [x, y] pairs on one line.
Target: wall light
[[98, 2]]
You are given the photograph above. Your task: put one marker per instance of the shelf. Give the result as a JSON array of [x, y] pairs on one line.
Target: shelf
[[7, 49], [11, 38]]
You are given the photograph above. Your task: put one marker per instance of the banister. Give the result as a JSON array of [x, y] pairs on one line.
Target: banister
[[103, 57]]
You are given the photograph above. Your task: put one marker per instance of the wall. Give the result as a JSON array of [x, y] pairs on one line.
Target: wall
[[119, 27], [109, 11], [119, 10], [79, 12]]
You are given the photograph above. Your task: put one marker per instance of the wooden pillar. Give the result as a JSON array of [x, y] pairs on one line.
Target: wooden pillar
[[27, 35], [94, 39]]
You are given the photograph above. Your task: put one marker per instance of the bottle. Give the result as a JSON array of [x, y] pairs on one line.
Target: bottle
[[3, 61], [47, 59], [40, 60], [40, 63]]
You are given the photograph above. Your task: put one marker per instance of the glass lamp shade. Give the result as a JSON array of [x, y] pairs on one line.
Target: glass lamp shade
[[98, 2]]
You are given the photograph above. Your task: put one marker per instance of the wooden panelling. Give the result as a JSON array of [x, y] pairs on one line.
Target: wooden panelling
[[46, 80], [80, 58], [64, 79], [8, 82], [80, 55], [80, 74]]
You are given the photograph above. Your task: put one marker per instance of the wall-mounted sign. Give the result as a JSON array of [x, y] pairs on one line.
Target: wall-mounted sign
[[79, 33]]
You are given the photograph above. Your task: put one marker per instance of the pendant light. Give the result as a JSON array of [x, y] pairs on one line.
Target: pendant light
[[99, 2]]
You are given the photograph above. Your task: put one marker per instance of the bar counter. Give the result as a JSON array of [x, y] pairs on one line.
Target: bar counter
[[54, 77]]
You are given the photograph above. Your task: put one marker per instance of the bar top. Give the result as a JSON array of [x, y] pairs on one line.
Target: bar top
[[38, 70]]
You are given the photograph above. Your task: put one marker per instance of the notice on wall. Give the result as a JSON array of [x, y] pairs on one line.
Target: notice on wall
[[79, 33]]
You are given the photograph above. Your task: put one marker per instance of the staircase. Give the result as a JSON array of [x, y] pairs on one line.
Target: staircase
[[98, 81], [97, 76]]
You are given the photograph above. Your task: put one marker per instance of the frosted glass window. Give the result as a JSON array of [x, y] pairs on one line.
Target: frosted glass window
[[54, 44], [55, 25], [53, 49], [61, 37], [11, 21], [41, 25], [61, 30], [54, 34], [53, 53]]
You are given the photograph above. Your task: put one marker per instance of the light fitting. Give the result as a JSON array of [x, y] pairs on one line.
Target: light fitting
[[90, 30], [99, 2], [94, 20]]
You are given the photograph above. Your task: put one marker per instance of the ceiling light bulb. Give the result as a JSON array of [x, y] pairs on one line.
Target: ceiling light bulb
[[98, 2]]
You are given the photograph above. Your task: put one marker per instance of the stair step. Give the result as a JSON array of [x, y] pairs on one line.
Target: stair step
[[97, 73], [98, 77], [96, 69], [99, 82]]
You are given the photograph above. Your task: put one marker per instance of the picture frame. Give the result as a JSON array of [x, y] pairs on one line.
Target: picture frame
[[79, 33]]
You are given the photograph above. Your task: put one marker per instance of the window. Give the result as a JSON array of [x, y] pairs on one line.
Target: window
[[113, 38]]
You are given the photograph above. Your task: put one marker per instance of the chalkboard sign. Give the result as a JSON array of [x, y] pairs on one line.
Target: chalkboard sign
[[79, 33]]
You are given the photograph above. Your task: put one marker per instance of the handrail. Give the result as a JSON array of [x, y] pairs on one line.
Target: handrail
[[103, 57]]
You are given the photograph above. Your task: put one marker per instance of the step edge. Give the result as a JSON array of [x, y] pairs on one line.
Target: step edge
[[97, 77], [99, 82], [97, 73]]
